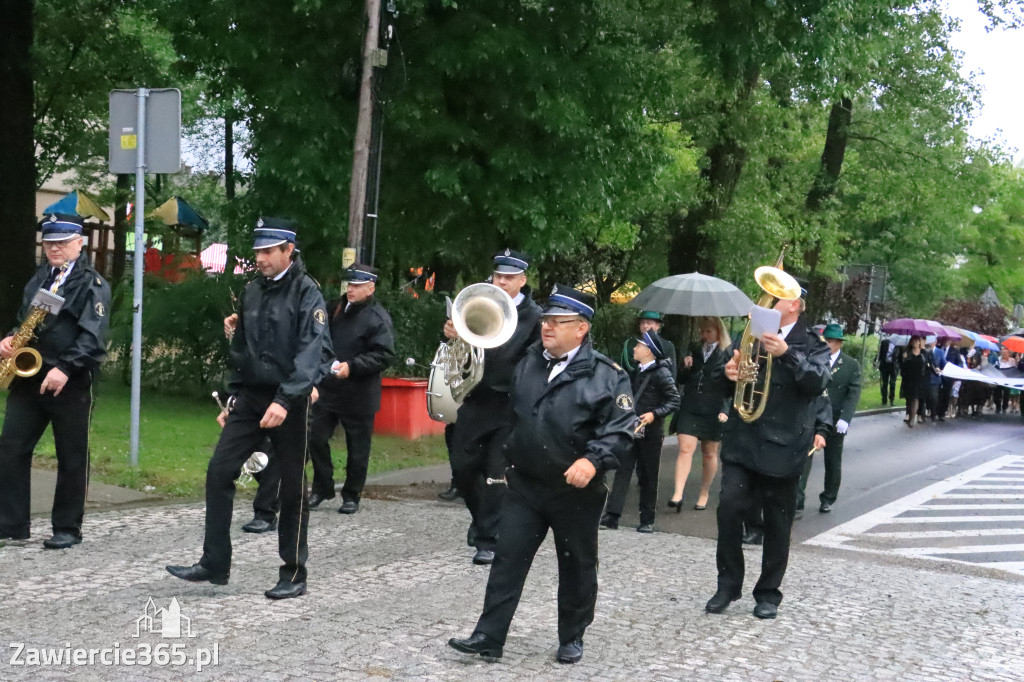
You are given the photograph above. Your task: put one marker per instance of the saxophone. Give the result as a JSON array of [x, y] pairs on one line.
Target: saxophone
[[26, 361]]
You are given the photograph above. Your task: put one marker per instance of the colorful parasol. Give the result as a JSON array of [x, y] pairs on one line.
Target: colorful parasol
[[176, 212], [78, 202]]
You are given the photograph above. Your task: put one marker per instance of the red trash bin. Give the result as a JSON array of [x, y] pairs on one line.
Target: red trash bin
[[403, 409]]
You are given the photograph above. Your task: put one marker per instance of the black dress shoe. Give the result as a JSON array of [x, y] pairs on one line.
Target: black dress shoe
[[720, 601], [286, 589], [571, 652], [753, 537], [677, 505], [61, 541], [477, 643], [260, 526], [451, 494], [316, 499], [197, 574], [645, 528], [825, 508], [610, 521], [349, 507], [766, 611], [483, 557]]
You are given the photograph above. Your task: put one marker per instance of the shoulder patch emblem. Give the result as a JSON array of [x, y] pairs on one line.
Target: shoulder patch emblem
[[624, 402], [100, 310], [320, 316]]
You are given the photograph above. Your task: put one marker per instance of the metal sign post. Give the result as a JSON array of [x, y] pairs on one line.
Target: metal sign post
[[129, 150]]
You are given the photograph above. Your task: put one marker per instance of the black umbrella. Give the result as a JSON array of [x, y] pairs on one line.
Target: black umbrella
[[693, 294]]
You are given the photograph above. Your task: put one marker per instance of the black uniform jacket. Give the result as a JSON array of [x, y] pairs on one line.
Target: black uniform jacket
[[585, 411], [74, 340], [844, 390], [363, 337], [777, 443], [500, 362], [654, 391], [282, 340], [706, 390]]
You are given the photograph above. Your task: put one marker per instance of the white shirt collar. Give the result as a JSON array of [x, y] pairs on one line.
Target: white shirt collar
[[560, 367], [786, 330], [283, 272], [645, 367], [833, 356], [517, 299]]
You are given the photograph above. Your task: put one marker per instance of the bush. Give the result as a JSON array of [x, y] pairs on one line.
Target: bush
[[418, 323], [184, 349]]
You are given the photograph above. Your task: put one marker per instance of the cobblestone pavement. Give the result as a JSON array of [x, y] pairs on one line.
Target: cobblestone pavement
[[389, 585]]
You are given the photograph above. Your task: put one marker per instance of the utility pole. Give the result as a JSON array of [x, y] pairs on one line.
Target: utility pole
[[364, 131]]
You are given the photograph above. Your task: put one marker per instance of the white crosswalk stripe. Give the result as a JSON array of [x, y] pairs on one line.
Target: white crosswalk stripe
[[948, 521]]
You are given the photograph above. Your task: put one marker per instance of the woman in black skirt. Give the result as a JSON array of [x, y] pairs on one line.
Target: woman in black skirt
[[704, 407], [914, 368]]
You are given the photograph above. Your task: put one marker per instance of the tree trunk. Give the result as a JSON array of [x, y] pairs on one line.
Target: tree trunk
[[229, 156], [690, 249], [824, 188], [122, 193], [17, 151]]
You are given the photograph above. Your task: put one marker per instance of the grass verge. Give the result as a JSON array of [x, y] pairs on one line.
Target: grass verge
[[177, 435]]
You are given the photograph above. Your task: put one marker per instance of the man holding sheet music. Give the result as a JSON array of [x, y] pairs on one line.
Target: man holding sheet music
[[762, 460]]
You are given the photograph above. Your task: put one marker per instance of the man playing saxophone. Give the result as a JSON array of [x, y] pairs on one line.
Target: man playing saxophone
[[762, 459], [71, 346]]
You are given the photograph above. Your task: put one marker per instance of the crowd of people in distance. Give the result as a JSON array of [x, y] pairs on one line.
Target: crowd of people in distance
[[932, 396]]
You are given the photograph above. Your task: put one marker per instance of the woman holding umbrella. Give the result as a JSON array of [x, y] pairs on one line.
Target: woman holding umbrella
[[915, 368], [703, 409]]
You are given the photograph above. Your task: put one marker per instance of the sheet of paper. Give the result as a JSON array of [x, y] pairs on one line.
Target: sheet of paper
[[764, 320]]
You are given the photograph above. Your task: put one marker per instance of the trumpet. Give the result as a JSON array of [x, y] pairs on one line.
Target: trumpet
[[752, 384]]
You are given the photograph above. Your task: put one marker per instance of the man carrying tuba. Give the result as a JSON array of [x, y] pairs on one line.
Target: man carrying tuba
[[57, 390], [762, 459], [485, 418]]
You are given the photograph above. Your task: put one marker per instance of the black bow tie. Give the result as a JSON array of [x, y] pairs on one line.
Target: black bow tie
[[554, 361]]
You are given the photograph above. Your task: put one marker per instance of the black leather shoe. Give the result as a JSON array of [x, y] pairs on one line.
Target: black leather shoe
[[645, 528], [825, 508], [286, 589], [571, 652], [316, 499], [753, 537], [260, 526], [477, 643], [451, 494], [766, 611], [610, 521], [483, 557], [197, 574], [720, 601], [61, 541], [349, 507]]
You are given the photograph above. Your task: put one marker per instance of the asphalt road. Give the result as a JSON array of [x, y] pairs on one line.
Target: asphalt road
[[883, 462]]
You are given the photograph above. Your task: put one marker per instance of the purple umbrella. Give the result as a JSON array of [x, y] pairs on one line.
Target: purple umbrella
[[908, 325], [942, 332]]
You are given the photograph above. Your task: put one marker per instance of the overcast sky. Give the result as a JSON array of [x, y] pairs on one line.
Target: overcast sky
[[995, 59]]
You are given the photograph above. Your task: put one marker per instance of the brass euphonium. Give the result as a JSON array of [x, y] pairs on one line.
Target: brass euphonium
[[752, 383]]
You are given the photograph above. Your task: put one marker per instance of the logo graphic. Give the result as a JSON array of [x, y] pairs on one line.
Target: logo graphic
[[508, 252], [624, 401], [168, 622], [101, 311], [320, 316], [259, 223]]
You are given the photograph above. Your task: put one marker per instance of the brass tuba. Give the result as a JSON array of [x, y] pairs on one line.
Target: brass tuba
[[485, 317], [752, 384]]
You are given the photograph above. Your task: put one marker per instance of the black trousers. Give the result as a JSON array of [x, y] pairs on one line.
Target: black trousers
[[888, 373], [358, 436], [1001, 398], [742, 488], [945, 393], [645, 456], [528, 511], [28, 415], [833, 471], [241, 436], [266, 503], [481, 429]]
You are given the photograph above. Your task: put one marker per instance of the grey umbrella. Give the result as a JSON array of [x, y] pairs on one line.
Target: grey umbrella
[[693, 294]]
